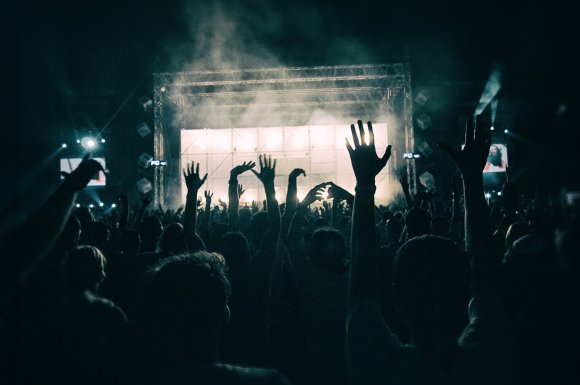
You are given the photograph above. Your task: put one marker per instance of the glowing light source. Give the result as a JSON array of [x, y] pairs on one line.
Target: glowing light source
[[91, 205], [78, 141], [101, 204], [499, 193], [88, 142], [64, 145], [505, 131], [103, 140], [78, 205], [487, 195], [492, 128], [113, 205]]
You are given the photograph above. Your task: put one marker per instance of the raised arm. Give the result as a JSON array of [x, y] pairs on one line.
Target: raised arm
[[193, 183], [234, 193], [364, 284], [291, 199], [471, 161], [266, 176], [24, 247]]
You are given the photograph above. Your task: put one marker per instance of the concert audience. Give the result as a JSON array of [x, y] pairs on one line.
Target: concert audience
[[325, 290]]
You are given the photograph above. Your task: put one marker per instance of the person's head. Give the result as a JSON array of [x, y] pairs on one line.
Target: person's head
[[495, 155], [418, 222], [259, 226], [85, 268], [184, 302], [172, 240], [235, 249], [431, 285], [515, 232], [129, 242], [217, 232], [327, 250]]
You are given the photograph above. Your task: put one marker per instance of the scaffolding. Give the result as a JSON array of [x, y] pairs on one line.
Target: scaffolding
[[289, 95]]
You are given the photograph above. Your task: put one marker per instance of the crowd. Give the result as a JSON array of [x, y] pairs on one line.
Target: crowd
[[305, 292]]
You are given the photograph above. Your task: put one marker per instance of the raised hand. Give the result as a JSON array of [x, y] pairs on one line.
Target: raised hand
[[82, 175], [471, 160], [267, 170], [242, 168], [240, 190], [208, 195], [314, 194], [296, 172], [337, 192], [365, 162], [192, 179]]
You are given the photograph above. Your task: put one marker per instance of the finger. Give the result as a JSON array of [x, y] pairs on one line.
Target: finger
[[302, 172], [387, 154], [252, 164], [204, 177], [348, 146], [362, 132], [469, 127], [354, 136], [197, 169], [184, 176], [255, 173], [371, 134], [261, 162], [274, 165]]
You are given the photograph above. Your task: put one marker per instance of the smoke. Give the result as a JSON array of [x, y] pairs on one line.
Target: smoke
[[237, 37]]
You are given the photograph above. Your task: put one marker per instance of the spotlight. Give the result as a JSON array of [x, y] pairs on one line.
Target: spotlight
[[103, 140], [499, 193], [505, 131], [88, 142], [101, 204], [487, 195], [492, 128], [64, 145], [113, 205], [78, 141], [162, 89], [78, 205], [91, 205]]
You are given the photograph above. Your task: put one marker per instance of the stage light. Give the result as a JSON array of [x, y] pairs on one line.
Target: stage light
[[77, 205], [163, 89], [505, 131], [487, 195], [499, 193], [113, 205], [91, 205], [78, 141], [101, 204], [64, 145], [88, 142], [103, 140], [492, 128]]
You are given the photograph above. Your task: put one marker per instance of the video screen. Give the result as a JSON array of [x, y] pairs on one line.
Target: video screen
[[497, 159], [70, 164]]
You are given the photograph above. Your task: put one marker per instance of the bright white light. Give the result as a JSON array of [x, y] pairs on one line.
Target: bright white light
[[91, 205], [64, 145], [78, 141], [78, 205], [101, 204], [492, 128], [113, 205], [487, 195], [162, 89], [505, 131], [103, 140], [499, 193], [88, 142]]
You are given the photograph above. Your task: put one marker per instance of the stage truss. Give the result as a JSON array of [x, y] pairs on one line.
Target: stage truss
[[288, 95]]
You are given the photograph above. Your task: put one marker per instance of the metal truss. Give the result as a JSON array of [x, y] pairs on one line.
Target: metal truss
[[287, 94]]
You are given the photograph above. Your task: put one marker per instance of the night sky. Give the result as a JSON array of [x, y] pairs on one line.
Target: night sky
[[68, 66]]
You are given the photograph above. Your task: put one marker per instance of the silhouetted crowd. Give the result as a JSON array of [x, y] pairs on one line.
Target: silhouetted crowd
[[330, 289]]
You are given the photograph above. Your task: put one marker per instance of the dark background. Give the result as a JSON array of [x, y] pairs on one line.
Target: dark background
[[69, 66]]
